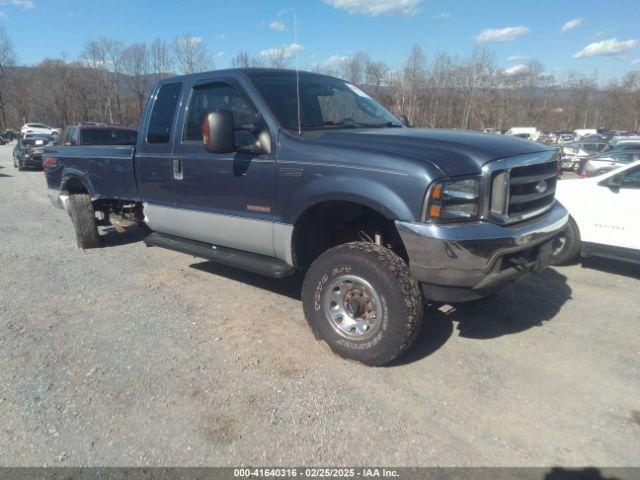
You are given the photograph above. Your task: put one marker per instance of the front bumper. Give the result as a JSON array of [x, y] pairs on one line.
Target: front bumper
[[29, 161], [469, 261]]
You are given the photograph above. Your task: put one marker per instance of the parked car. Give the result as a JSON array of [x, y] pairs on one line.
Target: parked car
[[624, 143], [621, 145], [606, 162], [36, 128], [604, 216], [28, 150], [95, 134], [565, 137], [570, 154], [230, 166], [530, 133]]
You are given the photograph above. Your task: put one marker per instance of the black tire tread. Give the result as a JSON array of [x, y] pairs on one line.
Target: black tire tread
[[398, 269], [571, 251], [84, 221]]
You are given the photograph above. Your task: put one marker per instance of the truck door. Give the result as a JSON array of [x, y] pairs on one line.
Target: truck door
[[154, 172], [223, 199]]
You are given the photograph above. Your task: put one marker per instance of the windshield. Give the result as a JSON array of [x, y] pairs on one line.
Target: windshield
[[325, 102]]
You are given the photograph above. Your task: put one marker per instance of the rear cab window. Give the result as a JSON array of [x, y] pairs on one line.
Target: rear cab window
[[107, 136], [163, 113]]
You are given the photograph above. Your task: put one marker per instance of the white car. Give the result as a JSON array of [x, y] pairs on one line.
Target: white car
[[604, 217], [37, 129]]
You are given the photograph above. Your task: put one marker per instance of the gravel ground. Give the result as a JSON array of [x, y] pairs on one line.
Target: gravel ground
[[130, 355]]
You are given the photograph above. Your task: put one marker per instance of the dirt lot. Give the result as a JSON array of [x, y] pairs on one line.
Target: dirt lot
[[130, 355]]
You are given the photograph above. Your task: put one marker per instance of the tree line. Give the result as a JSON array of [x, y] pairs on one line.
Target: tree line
[[110, 81]]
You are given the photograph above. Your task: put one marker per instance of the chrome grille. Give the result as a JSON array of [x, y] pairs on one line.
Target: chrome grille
[[520, 187], [532, 188]]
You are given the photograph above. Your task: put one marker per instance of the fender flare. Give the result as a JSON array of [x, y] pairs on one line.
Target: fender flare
[[72, 175], [363, 191]]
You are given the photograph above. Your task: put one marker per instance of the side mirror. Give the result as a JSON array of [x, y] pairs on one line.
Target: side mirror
[[217, 132]]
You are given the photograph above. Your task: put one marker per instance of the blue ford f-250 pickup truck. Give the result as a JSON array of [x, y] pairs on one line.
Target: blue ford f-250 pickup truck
[[276, 172]]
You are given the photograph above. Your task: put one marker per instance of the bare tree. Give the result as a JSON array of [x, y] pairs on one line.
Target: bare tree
[[136, 65], [103, 57], [244, 60], [161, 61], [191, 54], [408, 83], [7, 59]]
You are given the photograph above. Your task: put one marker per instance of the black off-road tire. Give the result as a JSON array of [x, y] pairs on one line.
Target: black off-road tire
[[570, 250], [84, 221], [399, 294]]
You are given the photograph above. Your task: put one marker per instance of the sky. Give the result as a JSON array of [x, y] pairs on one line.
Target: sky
[[600, 38]]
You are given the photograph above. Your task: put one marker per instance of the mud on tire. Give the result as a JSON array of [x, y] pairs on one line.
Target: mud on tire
[[84, 220], [395, 296]]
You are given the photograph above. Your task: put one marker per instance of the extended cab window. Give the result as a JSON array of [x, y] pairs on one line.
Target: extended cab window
[[164, 109], [220, 96]]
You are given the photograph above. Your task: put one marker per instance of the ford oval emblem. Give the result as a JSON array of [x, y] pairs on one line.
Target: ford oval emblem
[[542, 186]]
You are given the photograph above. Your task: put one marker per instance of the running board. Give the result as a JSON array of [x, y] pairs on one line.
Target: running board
[[261, 264]]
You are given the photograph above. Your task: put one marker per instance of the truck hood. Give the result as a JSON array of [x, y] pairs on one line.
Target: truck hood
[[455, 152]]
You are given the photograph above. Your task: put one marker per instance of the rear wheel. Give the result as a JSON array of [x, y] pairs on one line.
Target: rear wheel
[[84, 220], [569, 249], [361, 299]]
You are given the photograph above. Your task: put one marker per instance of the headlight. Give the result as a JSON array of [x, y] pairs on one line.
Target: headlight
[[452, 200]]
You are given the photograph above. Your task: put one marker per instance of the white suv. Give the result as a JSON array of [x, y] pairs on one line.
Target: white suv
[[37, 128], [604, 216]]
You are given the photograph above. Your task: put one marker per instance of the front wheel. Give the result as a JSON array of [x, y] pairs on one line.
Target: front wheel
[[569, 249], [361, 299]]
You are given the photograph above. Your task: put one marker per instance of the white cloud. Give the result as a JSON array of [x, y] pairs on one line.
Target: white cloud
[[442, 16], [193, 40], [283, 51], [636, 62], [24, 4], [517, 58], [571, 25], [220, 54], [516, 69], [277, 25], [490, 35], [334, 61], [606, 48], [377, 7], [3, 15], [221, 36]]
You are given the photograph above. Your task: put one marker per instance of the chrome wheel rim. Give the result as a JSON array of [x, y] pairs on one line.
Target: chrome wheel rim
[[353, 307]]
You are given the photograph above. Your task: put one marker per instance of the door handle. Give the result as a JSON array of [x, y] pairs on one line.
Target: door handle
[[178, 173]]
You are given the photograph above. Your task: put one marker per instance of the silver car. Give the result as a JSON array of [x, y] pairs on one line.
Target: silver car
[[606, 162]]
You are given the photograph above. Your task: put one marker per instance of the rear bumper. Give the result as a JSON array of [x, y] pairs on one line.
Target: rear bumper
[[468, 261]]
